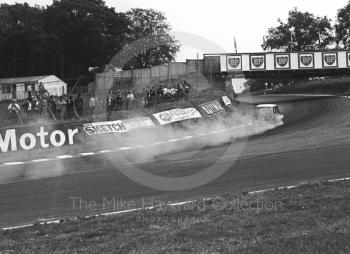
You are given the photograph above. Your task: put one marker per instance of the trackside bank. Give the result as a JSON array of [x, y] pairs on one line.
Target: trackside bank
[[57, 135]]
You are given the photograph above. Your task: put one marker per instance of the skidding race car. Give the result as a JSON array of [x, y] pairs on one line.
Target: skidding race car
[[268, 112]]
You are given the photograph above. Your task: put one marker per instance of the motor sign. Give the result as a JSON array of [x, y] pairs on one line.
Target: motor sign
[[23, 139]]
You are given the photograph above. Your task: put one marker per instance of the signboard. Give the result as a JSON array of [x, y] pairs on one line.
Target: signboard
[[33, 137], [104, 127], [226, 100], [234, 63], [282, 61], [348, 59], [329, 60], [212, 107], [138, 123], [306, 60], [257, 62], [175, 115]]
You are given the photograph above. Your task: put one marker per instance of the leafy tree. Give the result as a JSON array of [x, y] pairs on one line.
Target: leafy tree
[[22, 39], [308, 33], [342, 27], [89, 32], [149, 41]]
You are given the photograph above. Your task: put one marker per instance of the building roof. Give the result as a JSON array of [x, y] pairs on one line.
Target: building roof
[[22, 79]]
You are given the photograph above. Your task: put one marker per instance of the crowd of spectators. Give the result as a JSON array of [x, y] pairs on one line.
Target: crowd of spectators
[[40, 104], [165, 93]]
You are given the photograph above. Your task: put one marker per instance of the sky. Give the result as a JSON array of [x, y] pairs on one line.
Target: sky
[[221, 21]]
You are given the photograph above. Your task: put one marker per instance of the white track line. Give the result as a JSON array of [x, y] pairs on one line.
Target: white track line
[[171, 204], [14, 163], [105, 151], [41, 160], [87, 154], [66, 156], [125, 148], [84, 154]]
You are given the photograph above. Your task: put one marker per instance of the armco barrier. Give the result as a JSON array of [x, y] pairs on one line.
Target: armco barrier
[[57, 135]]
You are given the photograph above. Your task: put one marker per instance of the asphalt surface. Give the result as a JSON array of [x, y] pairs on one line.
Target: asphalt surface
[[313, 144]]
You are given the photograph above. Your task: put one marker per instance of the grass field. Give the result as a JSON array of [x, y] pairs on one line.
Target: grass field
[[313, 218]]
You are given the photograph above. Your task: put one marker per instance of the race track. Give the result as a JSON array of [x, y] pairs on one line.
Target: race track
[[313, 144]]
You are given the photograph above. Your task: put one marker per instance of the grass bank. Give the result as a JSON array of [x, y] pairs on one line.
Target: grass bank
[[313, 218]]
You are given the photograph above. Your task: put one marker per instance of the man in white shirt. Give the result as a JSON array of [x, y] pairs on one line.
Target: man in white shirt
[[93, 104]]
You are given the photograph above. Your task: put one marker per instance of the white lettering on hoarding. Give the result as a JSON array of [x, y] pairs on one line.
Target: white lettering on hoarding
[[212, 107], [104, 127], [28, 141], [176, 115], [10, 136]]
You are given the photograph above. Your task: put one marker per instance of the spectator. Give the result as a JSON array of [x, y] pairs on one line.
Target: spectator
[[129, 100], [93, 103], [70, 108], [159, 94], [29, 89], [28, 109], [146, 98], [51, 107], [186, 88], [41, 89], [79, 106], [64, 108], [59, 107], [119, 100], [14, 109], [152, 96], [109, 104]]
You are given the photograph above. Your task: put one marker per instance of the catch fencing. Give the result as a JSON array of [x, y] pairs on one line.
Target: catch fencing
[[140, 79]]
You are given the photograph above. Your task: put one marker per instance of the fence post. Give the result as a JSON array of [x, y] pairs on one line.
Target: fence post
[[169, 72]]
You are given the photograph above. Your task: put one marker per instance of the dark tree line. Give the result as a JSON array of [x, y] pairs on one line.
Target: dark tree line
[[305, 32], [68, 37]]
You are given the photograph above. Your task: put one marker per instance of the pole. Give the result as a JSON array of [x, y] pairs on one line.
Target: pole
[[62, 68]]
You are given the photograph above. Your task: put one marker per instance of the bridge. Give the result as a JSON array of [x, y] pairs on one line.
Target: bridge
[[277, 65]]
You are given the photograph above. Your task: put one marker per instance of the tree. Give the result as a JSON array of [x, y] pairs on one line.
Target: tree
[[89, 32], [149, 41], [21, 39], [342, 27], [302, 32]]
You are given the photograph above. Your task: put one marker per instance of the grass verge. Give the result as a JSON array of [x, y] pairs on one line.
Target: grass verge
[[313, 218]]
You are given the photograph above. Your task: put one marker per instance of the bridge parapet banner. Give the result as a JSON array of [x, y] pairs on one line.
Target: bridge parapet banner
[[270, 61]]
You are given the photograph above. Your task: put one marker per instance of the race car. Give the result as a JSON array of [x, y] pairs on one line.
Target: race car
[[268, 112]]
